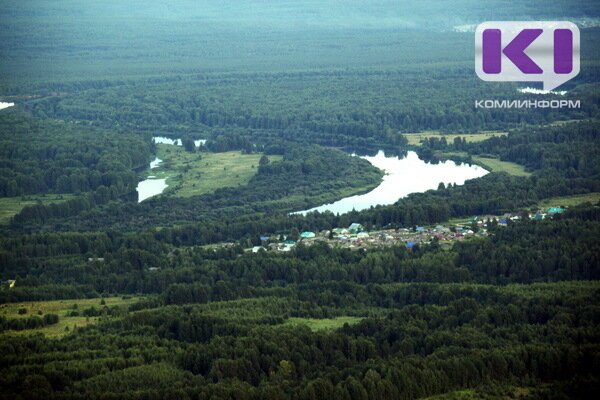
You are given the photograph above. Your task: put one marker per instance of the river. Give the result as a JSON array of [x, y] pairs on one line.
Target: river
[[403, 176], [152, 186]]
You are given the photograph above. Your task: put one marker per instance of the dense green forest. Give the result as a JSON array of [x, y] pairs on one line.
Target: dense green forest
[[56, 157], [226, 293]]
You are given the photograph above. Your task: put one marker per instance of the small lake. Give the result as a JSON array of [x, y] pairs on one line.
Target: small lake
[[403, 176], [150, 187], [176, 142], [155, 163], [5, 105]]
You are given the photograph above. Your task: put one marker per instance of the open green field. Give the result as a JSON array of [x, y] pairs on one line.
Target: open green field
[[323, 324], [507, 393], [416, 138], [62, 308], [571, 121], [467, 394], [459, 221], [191, 174], [496, 165], [10, 206], [569, 201], [491, 164]]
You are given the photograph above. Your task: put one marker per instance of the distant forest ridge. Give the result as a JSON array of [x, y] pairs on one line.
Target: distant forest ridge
[[129, 40]]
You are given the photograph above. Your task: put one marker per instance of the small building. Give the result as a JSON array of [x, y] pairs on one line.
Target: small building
[[10, 283], [410, 245], [556, 210], [362, 235], [355, 227], [539, 216], [256, 249], [264, 238], [420, 229], [307, 235]]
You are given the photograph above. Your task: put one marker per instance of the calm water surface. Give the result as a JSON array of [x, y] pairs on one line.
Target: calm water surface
[[151, 186], [403, 176], [177, 142], [5, 105]]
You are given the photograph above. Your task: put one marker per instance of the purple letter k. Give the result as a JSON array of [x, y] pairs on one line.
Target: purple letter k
[[514, 51]]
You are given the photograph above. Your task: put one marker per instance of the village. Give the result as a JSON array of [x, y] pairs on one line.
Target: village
[[356, 237]]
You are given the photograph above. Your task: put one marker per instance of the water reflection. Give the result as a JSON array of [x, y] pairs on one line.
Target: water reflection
[[150, 187], [176, 142], [402, 177], [5, 105]]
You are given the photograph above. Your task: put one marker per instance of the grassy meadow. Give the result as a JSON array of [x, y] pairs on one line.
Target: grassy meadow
[[415, 139], [323, 324], [191, 174], [490, 163], [63, 308], [569, 201], [10, 206], [496, 165]]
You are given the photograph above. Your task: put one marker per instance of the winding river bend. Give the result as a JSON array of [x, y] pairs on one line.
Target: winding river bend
[[152, 186], [403, 176]]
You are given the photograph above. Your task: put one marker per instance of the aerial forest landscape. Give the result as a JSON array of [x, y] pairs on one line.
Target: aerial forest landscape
[[296, 199]]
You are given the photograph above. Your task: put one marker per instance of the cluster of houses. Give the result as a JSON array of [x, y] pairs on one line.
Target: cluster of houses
[[357, 237], [503, 220]]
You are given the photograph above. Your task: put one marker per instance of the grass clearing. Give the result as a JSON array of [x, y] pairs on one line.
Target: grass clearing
[[323, 324], [569, 201], [489, 163], [496, 165], [506, 392], [191, 174], [467, 394], [415, 139], [62, 308], [10, 206], [466, 221]]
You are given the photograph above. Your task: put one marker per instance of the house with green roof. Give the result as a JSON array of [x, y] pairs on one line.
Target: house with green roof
[[355, 227]]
